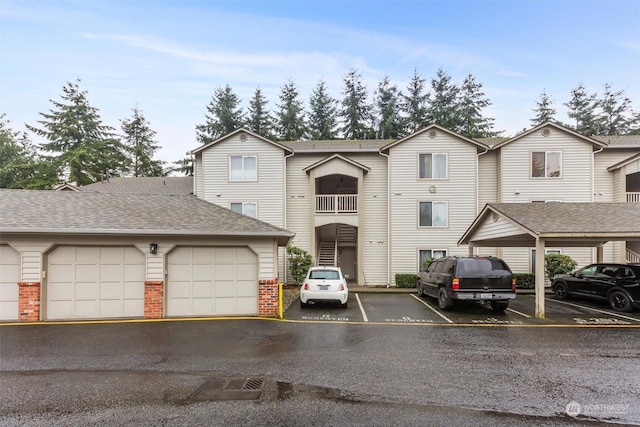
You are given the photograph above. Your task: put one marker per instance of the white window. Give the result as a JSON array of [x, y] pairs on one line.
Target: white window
[[246, 208], [243, 168], [433, 214], [546, 164], [425, 254], [432, 166], [547, 251]]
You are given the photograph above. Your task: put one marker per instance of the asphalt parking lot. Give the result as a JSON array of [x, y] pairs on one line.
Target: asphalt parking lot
[[408, 308]]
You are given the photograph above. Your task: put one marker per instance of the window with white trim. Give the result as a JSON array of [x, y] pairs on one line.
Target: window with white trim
[[547, 251], [246, 208], [425, 254], [546, 164], [432, 214], [243, 168], [432, 166]]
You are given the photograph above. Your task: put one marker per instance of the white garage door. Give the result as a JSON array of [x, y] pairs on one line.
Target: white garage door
[[205, 281], [9, 278], [95, 282]]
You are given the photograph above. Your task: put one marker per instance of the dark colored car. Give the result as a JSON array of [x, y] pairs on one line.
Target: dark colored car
[[468, 278], [619, 284]]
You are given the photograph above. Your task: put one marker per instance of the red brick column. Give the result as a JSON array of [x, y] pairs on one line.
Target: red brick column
[[268, 297], [153, 299], [29, 301]]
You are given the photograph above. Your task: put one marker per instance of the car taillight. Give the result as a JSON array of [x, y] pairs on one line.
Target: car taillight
[[306, 286], [455, 284], [342, 286], [513, 284]]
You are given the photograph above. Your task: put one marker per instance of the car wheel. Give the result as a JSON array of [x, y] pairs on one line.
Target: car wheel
[[561, 290], [620, 301], [345, 305], [499, 305], [444, 302], [303, 304]]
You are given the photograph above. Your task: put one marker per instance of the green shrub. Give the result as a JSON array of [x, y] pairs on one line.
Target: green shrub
[[558, 264], [406, 280], [525, 280], [299, 263], [426, 263]]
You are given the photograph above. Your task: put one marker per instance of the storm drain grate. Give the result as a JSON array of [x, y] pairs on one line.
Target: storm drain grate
[[244, 384]]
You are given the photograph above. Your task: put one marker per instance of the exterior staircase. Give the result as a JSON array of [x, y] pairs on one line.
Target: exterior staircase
[[346, 235], [327, 253]]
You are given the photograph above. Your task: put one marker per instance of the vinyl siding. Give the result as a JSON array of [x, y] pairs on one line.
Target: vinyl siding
[[406, 191], [267, 191], [198, 176], [608, 185], [487, 179]]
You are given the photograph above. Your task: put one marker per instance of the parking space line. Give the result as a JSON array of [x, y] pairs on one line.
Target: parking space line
[[517, 312], [433, 309], [364, 315], [595, 309]]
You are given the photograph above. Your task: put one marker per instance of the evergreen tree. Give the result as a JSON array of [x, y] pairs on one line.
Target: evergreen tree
[[223, 116], [139, 141], [356, 112], [20, 165], [443, 109], [259, 120], [583, 109], [323, 118], [470, 105], [290, 116], [415, 103], [387, 102], [617, 116], [184, 166], [544, 110], [86, 149]]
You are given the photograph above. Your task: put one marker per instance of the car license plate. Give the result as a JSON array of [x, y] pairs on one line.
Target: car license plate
[[486, 296], [323, 287]]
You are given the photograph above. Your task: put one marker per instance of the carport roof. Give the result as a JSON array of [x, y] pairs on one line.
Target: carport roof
[[561, 224], [70, 212]]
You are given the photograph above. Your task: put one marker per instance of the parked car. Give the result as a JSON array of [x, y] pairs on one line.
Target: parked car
[[619, 284], [468, 278], [324, 284]]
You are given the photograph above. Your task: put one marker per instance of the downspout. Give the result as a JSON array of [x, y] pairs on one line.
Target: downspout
[[593, 193], [478, 187], [284, 186], [388, 218]]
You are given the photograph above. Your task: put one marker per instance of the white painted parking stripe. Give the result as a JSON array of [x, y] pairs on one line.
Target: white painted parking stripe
[[595, 309], [364, 315], [433, 309], [517, 312]]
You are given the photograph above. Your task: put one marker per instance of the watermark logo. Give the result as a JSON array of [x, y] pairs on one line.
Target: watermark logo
[[573, 408]]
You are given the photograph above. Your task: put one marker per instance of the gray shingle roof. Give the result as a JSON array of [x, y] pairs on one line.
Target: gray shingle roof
[[143, 185], [70, 212], [620, 141], [337, 146]]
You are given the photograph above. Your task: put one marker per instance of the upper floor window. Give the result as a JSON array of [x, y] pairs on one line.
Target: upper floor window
[[433, 214], [246, 208], [243, 168], [432, 166], [546, 164]]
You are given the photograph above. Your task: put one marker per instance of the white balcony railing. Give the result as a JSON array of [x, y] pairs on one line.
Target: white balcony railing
[[633, 197], [337, 203]]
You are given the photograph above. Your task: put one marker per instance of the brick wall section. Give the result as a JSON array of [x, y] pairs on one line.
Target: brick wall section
[[153, 299], [29, 301], [268, 298]]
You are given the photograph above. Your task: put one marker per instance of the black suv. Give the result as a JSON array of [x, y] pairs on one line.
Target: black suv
[[468, 278], [619, 284]]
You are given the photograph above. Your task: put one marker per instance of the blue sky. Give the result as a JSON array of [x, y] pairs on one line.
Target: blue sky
[[168, 57]]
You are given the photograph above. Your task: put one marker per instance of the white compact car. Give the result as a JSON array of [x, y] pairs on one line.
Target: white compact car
[[324, 284]]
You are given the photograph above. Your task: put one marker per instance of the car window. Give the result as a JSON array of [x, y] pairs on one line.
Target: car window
[[449, 266], [607, 271], [481, 265], [324, 274], [440, 267], [588, 271], [433, 266]]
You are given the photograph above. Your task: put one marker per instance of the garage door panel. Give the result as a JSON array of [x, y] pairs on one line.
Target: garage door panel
[[224, 272], [225, 289], [86, 291], [245, 256], [202, 272], [226, 306], [60, 291], [86, 273], [61, 272], [202, 256], [246, 289], [180, 272], [225, 256], [110, 290], [132, 291], [133, 307], [179, 290], [202, 289], [111, 273], [246, 273], [64, 254], [246, 305], [9, 278], [202, 306], [59, 309], [86, 255]]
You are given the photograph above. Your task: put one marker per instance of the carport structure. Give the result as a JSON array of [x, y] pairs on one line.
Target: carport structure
[[553, 224]]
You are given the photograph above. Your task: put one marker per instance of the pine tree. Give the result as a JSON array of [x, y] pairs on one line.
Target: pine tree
[[223, 116], [356, 112], [184, 166], [390, 123], [139, 140], [259, 120], [86, 149], [583, 109], [415, 103], [290, 114], [617, 116], [471, 102], [544, 110], [323, 118], [443, 109]]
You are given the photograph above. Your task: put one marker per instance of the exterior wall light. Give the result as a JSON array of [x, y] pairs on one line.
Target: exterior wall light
[[153, 248]]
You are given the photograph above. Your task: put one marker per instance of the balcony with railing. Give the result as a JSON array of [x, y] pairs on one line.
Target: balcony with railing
[[633, 197], [337, 204]]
